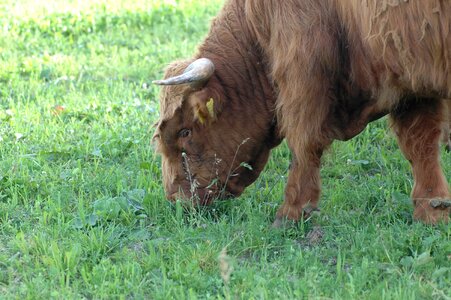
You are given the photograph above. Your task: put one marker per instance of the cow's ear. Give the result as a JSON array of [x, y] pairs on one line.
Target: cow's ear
[[205, 106]]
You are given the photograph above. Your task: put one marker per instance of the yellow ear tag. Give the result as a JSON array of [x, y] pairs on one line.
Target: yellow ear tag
[[210, 107]]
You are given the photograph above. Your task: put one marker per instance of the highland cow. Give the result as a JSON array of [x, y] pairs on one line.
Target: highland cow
[[310, 72]]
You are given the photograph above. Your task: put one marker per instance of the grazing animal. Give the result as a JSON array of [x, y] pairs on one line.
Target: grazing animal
[[310, 72]]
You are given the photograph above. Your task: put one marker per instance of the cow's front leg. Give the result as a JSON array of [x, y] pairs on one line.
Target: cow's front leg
[[303, 188], [418, 129], [447, 126]]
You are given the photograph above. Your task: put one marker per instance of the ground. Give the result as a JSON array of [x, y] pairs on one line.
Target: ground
[[82, 210]]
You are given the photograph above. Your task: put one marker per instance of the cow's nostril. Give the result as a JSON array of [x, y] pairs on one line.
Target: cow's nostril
[[172, 196]]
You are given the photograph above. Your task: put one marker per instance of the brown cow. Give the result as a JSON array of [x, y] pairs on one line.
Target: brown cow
[[311, 72]]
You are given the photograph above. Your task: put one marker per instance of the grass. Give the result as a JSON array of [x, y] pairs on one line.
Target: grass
[[82, 210]]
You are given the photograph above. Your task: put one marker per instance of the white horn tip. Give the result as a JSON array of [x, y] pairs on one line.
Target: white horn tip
[[158, 82]]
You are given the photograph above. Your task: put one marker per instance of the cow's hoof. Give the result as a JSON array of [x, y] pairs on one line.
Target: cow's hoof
[[432, 211], [283, 223]]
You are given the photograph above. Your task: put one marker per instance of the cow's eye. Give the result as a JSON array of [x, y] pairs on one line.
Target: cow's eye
[[184, 133]]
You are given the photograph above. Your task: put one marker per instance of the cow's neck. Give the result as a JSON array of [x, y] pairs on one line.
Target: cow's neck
[[241, 75]]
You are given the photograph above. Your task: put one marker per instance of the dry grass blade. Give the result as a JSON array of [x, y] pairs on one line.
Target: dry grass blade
[[225, 266]]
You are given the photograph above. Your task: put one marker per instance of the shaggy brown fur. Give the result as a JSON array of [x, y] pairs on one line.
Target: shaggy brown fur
[[320, 71]]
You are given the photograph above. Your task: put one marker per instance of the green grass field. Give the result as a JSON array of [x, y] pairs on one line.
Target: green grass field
[[82, 210]]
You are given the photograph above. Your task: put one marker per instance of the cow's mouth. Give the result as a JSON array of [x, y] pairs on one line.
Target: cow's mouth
[[202, 195]]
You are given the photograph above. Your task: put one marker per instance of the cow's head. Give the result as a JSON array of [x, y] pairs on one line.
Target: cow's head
[[213, 143]]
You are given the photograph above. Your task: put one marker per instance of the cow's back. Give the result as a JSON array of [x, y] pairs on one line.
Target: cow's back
[[409, 42], [403, 44]]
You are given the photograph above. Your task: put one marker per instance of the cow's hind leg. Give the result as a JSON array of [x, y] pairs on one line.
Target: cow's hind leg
[[418, 128]]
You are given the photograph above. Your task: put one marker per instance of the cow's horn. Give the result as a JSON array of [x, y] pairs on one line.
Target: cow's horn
[[197, 73]]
